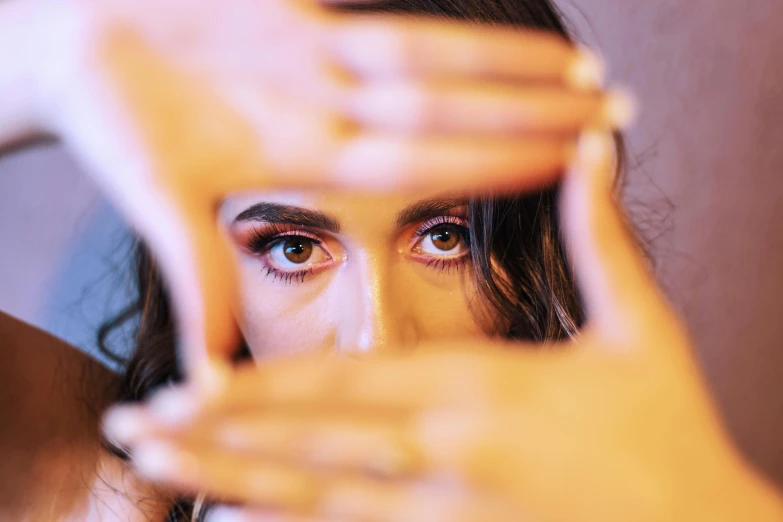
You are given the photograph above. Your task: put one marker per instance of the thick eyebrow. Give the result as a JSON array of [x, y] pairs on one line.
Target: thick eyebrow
[[289, 215], [427, 209]]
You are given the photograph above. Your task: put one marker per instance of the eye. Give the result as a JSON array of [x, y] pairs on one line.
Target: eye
[[443, 240], [291, 253]]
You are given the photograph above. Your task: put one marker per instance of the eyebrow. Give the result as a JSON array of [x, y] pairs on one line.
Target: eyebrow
[[289, 215], [427, 209]]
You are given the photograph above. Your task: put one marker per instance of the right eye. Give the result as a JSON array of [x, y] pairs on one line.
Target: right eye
[[292, 253]]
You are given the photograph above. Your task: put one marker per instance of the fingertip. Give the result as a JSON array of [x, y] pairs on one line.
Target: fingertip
[[226, 514], [620, 109], [173, 407], [236, 514], [595, 151], [124, 424], [160, 460], [587, 71]]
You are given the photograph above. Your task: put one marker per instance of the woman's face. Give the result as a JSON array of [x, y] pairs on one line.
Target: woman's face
[[348, 273]]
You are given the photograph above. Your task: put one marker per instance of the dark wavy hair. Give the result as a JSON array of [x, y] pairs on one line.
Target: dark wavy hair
[[518, 236]]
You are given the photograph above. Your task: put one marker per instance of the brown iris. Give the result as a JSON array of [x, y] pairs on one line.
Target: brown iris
[[298, 249], [445, 238]]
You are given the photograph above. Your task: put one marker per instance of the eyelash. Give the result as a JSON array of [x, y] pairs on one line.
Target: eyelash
[[459, 222], [446, 263], [263, 239]]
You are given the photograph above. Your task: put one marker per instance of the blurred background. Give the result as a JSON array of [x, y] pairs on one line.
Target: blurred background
[[705, 184]]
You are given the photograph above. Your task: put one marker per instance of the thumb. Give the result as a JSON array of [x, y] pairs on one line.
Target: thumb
[[200, 272], [618, 290]]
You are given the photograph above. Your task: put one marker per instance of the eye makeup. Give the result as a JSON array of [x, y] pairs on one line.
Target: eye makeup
[[442, 242], [291, 253]]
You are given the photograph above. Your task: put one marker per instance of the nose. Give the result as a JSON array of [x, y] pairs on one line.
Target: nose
[[373, 317]]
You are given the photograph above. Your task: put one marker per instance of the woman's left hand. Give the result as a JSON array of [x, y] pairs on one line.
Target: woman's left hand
[[615, 426]]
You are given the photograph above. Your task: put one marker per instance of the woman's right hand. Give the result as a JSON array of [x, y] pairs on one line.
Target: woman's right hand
[[172, 105]]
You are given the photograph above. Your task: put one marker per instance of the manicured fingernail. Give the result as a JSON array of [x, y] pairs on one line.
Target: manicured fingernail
[[620, 109], [594, 148], [173, 407], [124, 424], [162, 461], [226, 514], [596, 158], [587, 71], [230, 514]]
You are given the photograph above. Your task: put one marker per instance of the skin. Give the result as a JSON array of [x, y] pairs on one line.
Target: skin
[[371, 289], [154, 120], [131, 104], [614, 425]]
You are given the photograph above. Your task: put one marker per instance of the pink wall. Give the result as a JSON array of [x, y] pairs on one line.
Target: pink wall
[[709, 74]]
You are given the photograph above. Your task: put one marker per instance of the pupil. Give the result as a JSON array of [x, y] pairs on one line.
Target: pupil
[[298, 250], [445, 239]]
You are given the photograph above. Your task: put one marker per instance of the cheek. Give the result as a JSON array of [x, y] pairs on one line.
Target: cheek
[[445, 306], [284, 319]]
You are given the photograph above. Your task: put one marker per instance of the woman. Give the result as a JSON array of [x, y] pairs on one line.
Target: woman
[[534, 299]]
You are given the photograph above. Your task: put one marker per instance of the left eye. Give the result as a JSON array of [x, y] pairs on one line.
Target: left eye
[[443, 240], [296, 252]]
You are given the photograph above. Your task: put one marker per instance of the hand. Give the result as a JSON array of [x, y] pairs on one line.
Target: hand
[[614, 426], [173, 105]]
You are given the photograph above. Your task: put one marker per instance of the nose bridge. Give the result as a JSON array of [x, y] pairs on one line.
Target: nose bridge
[[376, 321]]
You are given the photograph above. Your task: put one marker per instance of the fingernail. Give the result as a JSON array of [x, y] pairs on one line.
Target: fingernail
[[124, 424], [162, 461], [594, 148], [173, 407], [620, 109], [225, 514], [596, 158], [230, 514], [587, 71]]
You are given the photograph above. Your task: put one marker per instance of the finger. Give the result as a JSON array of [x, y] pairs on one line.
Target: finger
[[388, 503], [235, 514], [204, 291], [384, 47], [356, 499], [227, 476], [619, 291], [435, 379], [482, 109], [343, 442], [316, 150], [379, 162], [306, 496], [173, 206]]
